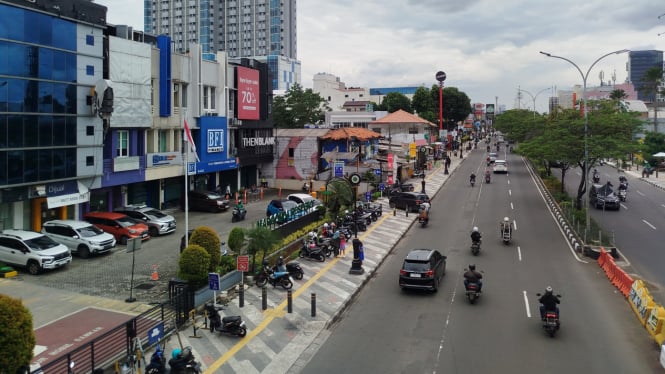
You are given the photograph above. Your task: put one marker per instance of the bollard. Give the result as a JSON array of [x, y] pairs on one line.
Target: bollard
[[313, 304], [264, 298], [261, 194], [394, 211], [241, 296], [289, 301], [407, 210]]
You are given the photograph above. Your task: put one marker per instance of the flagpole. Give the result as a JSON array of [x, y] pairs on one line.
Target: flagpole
[[184, 135]]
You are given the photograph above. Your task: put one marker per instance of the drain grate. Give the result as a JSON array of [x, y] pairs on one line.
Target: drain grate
[[144, 286]]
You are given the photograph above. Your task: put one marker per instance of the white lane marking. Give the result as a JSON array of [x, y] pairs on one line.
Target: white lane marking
[[623, 206], [448, 317], [510, 193], [640, 193], [519, 253], [511, 206], [526, 303], [515, 225], [648, 224], [663, 205], [508, 181]]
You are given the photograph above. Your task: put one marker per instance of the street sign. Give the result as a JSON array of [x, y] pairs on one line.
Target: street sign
[[156, 333], [382, 187], [213, 281], [377, 172], [368, 196], [191, 168], [355, 179], [242, 263], [440, 76], [339, 169]]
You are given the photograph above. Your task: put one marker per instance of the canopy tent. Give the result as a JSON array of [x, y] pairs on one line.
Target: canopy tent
[[659, 154]]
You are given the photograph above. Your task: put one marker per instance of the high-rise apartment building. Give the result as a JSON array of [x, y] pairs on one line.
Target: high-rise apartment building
[[241, 28], [639, 62]]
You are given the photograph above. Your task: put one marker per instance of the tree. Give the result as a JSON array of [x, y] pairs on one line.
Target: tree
[[654, 142], [208, 239], [456, 104], [260, 240], [298, 108], [652, 80], [423, 104], [341, 194], [194, 265], [395, 101], [17, 338], [519, 124]]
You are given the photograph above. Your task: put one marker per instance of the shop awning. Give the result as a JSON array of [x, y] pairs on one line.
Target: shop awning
[[58, 195]]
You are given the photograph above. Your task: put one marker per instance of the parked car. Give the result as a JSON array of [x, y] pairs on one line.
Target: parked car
[[206, 201], [80, 237], [301, 198], [500, 166], [422, 269], [32, 250], [119, 225], [602, 197], [159, 223], [408, 200]]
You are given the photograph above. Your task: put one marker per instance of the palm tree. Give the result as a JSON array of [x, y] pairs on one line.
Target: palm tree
[[652, 80], [340, 193]]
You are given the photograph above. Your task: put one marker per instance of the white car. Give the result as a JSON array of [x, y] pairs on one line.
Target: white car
[[301, 198], [79, 236], [500, 166], [32, 250]]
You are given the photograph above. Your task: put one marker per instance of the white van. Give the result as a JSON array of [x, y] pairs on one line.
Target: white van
[[79, 236]]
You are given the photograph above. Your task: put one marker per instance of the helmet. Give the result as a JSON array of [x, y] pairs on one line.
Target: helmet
[[176, 353], [472, 267], [265, 262], [325, 224], [475, 229], [549, 289], [505, 219], [346, 211]]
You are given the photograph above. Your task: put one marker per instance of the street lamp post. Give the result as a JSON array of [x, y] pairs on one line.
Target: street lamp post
[[534, 98], [586, 127]]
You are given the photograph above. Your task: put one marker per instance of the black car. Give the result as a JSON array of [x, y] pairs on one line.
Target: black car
[[603, 197], [206, 201], [422, 269], [408, 200]]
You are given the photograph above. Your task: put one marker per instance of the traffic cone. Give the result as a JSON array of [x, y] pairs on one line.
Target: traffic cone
[[154, 276]]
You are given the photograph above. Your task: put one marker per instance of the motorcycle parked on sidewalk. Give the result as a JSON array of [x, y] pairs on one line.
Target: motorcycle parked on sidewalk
[[183, 362], [238, 214], [475, 247], [275, 278], [293, 268], [473, 292], [311, 250], [233, 325]]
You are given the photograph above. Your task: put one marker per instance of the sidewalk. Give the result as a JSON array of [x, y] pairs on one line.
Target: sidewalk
[[656, 179]]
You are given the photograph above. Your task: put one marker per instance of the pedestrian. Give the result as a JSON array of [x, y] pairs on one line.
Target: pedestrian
[[342, 245], [422, 183]]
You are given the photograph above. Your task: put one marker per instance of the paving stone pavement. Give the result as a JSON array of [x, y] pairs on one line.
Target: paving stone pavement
[[277, 341]]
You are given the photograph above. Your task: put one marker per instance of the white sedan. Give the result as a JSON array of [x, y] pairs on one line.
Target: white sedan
[[500, 166]]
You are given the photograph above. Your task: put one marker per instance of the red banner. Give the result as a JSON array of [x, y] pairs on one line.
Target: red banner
[[248, 93]]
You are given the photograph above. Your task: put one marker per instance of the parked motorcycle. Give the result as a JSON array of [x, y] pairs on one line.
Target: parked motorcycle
[[183, 362], [157, 363], [551, 321], [311, 250], [473, 292], [293, 268], [475, 247], [238, 214], [275, 278], [233, 325]]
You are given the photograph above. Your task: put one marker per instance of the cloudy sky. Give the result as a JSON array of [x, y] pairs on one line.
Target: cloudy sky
[[487, 48]]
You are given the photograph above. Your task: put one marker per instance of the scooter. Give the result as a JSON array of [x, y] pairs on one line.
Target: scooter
[[472, 181], [238, 215], [622, 193], [233, 325], [475, 248], [274, 277], [185, 363], [157, 363], [473, 292], [293, 268], [311, 250], [488, 178], [506, 236], [551, 322]]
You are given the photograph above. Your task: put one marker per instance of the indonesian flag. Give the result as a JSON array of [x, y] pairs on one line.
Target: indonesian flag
[[188, 139]]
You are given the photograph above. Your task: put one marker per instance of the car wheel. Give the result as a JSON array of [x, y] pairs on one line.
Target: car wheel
[[436, 285], [34, 268], [153, 231], [83, 251], [233, 219]]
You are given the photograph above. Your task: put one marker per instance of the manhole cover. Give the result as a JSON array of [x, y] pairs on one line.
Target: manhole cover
[[144, 286]]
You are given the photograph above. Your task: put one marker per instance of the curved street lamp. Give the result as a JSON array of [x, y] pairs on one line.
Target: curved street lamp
[[534, 97], [586, 126]]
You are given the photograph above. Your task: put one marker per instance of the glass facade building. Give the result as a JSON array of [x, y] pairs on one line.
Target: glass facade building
[[639, 63]]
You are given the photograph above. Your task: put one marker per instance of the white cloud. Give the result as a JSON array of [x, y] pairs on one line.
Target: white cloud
[[486, 47]]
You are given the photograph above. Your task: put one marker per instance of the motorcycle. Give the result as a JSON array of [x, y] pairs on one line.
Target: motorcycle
[[185, 363], [488, 178], [596, 177], [473, 292], [423, 216], [294, 269], [506, 236], [274, 278], [551, 321], [472, 181], [475, 247], [238, 214], [311, 250], [622, 193], [233, 325], [157, 363]]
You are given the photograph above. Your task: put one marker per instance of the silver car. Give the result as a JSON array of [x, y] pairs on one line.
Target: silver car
[[79, 236], [159, 223]]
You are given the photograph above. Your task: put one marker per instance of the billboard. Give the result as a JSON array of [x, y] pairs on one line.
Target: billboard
[[248, 93]]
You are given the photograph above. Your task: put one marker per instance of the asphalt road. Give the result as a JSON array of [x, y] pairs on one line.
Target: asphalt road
[[387, 330], [637, 227]]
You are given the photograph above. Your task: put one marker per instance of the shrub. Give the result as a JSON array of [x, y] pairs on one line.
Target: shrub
[[236, 239], [17, 339], [194, 265], [227, 264], [207, 238]]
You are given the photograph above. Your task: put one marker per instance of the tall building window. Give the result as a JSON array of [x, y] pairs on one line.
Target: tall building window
[[161, 141], [122, 149]]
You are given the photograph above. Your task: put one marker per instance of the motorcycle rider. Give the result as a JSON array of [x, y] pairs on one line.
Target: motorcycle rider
[[596, 177], [549, 301], [240, 206], [505, 227], [473, 276], [280, 264], [488, 176], [475, 235], [424, 211], [472, 178]]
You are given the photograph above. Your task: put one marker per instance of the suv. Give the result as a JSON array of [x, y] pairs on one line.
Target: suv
[[207, 201], [159, 223], [32, 250], [119, 225], [302, 198], [422, 269], [79, 236], [602, 197], [408, 200]]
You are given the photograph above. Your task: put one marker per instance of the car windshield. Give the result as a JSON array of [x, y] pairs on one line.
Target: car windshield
[[127, 221], [493, 155], [288, 205], [154, 213], [90, 231], [41, 243], [213, 195], [416, 266]]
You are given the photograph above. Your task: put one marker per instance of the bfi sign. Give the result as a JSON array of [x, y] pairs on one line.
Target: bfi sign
[[216, 141]]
